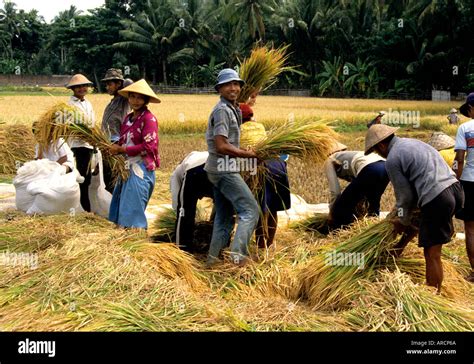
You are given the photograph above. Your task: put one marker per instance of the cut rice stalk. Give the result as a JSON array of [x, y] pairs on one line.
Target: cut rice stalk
[[394, 303], [330, 280], [261, 69]]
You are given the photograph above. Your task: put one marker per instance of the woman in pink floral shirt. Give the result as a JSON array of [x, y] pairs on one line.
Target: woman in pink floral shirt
[[139, 142]]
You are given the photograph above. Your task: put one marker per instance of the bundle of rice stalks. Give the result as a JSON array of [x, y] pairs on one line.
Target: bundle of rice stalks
[[168, 260], [305, 140], [261, 69], [315, 223], [66, 121], [330, 280], [54, 122], [165, 229], [165, 226], [97, 138], [394, 303], [16, 147], [454, 285], [308, 141]]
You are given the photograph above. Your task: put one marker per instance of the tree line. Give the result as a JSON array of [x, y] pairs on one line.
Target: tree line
[[341, 47]]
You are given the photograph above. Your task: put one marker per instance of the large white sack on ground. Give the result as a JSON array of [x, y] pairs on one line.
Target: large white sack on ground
[[99, 197], [58, 193], [300, 209], [28, 173]]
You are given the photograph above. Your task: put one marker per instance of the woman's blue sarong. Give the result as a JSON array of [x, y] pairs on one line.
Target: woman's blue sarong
[[130, 199]]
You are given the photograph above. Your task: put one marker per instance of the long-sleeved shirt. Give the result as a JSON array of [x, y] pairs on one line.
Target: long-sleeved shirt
[[346, 165], [114, 114], [55, 152], [418, 174], [140, 137], [89, 117]]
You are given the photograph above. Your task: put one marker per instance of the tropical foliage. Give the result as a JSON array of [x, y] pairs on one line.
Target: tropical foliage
[[342, 48]]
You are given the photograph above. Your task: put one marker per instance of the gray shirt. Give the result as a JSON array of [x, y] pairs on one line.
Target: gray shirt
[[114, 115], [225, 120], [418, 174]]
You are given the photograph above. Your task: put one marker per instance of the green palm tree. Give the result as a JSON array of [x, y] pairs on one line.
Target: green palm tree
[[155, 34], [252, 14], [9, 27]]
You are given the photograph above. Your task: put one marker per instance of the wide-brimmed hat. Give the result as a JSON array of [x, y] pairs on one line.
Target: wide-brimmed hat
[[376, 134], [453, 110], [228, 75], [440, 141], [337, 147], [78, 80], [113, 74], [381, 113], [140, 87]]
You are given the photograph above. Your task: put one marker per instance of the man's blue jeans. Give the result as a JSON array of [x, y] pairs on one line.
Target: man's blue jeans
[[231, 193]]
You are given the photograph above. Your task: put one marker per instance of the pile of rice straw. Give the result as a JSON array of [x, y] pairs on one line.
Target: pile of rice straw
[[90, 269], [16, 147], [392, 302], [92, 276]]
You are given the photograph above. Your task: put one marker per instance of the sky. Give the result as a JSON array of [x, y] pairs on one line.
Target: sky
[[50, 8]]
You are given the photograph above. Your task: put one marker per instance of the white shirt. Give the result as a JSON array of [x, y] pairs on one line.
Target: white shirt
[[192, 160], [86, 107], [465, 141], [57, 151]]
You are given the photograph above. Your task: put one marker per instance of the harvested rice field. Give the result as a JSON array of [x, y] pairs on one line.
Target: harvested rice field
[[80, 273]]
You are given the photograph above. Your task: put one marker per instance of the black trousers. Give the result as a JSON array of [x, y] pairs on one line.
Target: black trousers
[[194, 187], [369, 185], [83, 158], [108, 177]]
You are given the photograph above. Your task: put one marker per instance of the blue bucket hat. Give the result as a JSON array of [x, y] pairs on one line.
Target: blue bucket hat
[[227, 75], [464, 108]]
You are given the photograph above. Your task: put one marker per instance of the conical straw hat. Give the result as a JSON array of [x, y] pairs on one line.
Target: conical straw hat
[[78, 80], [376, 134], [337, 147], [440, 141], [140, 87]]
